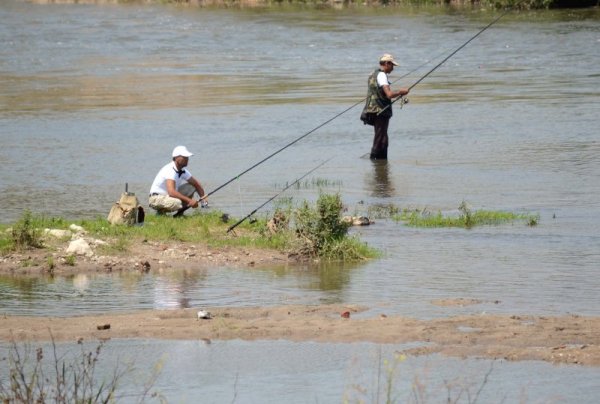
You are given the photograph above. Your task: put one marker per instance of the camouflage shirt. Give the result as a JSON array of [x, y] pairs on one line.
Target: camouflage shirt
[[377, 101]]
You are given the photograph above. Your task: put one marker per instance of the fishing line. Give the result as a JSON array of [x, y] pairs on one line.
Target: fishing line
[[450, 55], [354, 105], [240, 196], [303, 136], [275, 196]]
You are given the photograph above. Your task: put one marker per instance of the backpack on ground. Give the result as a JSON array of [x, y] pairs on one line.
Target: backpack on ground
[[126, 211]]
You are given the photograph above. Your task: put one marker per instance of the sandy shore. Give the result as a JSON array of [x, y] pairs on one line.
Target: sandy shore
[[565, 339]]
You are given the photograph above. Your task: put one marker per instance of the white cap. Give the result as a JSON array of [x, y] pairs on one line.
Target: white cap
[[388, 58], [181, 151]]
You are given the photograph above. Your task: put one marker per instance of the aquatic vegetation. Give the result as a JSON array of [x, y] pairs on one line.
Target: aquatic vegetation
[[37, 377], [321, 232], [389, 386], [466, 219], [312, 183], [318, 183], [382, 211]]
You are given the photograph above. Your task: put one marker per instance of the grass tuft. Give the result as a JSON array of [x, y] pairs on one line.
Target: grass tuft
[[26, 233], [466, 219]]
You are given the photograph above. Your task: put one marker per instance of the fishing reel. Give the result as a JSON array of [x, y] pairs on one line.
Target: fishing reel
[[403, 100]]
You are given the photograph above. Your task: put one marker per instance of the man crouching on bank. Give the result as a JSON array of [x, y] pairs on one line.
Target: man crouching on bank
[[174, 186]]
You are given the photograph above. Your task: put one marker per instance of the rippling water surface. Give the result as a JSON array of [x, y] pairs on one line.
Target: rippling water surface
[[301, 372], [93, 97]]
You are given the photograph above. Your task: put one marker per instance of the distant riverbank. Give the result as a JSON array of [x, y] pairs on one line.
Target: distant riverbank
[[521, 4]]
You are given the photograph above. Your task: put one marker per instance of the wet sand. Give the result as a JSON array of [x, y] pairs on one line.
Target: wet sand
[[565, 339]]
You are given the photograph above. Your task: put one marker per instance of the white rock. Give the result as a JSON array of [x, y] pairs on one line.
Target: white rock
[[96, 241], [347, 219], [360, 221], [204, 315], [58, 233], [77, 229], [79, 247], [356, 220]]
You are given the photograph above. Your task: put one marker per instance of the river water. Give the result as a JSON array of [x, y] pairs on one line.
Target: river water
[[93, 97]]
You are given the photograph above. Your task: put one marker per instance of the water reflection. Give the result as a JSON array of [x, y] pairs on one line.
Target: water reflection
[[25, 287], [333, 278], [176, 288], [380, 184]]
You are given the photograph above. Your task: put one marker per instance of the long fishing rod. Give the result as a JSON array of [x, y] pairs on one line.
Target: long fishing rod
[[300, 138], [354, 105], [450, 55], [275, 196]]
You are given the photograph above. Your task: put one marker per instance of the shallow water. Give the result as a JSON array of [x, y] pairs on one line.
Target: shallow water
[[276, 371], [93, 97]]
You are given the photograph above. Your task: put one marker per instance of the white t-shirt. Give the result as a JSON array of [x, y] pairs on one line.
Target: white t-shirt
[[382, 79], [169, 172]]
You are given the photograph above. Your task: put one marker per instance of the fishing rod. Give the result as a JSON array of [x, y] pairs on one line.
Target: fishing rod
[[275, 196], [449, 56], [302, 137]]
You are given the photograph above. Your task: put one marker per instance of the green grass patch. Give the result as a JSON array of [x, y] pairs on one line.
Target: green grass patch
[[25, 233], [315, 231], [70, 260], [466, 219]]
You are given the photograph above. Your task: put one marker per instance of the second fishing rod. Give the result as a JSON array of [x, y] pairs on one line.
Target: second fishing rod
[[481, 31], [275, 196]]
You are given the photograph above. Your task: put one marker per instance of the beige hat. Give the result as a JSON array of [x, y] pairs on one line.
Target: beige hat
[[181, 151], [388, 58]]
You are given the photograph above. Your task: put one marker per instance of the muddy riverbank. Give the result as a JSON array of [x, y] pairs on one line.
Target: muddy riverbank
[[141, 256]]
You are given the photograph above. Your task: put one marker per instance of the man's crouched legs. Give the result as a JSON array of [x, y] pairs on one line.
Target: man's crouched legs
[[165, 204]]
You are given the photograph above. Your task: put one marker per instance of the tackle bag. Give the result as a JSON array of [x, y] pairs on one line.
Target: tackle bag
[[368, 118], [126, 211]]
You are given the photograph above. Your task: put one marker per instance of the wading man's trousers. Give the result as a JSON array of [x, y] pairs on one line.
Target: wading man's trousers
[[380, 140]]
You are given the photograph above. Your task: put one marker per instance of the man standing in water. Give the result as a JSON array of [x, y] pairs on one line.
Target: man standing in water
[[174, 186], [378, 108]]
